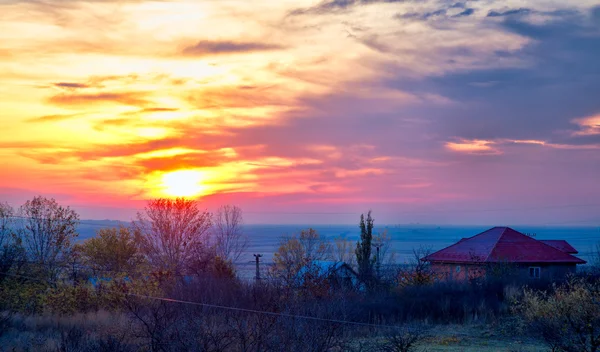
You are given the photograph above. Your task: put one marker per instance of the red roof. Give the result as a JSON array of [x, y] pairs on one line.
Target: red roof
[[562, 245], [503, 244]]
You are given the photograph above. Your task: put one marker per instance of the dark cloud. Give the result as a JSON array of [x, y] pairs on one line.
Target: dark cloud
[[70, 85], [207, 47], [519, 11], [465, 13], [373, 42], [422, 16], [596, 14], [558, 81], [334, 6]]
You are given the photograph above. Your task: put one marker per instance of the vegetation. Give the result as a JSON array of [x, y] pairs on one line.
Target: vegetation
[[166, 284], [174, 234], [363, 248], [567, 316], [230, 241], [113, 250]]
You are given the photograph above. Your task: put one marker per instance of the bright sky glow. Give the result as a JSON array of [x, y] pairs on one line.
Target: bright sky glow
[[304, 106]]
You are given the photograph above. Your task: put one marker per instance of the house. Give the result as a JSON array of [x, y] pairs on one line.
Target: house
[[504, 251]]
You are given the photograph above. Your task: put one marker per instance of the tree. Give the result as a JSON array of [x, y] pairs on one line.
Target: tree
[[230, 241], [7, 214], [363, 248], [343, 251], [10, 244], [113, 251], [416, 272], [174, 232], [47, 232], [298, 252]]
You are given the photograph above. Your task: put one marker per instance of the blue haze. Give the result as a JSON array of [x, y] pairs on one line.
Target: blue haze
[[264, 239]]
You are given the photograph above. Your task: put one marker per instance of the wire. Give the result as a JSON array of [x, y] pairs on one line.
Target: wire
[[244, 310], [415, 212], [85, 222]]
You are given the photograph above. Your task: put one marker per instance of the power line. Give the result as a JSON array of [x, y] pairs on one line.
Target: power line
[[244, 310], [78, 222], [562, 206]]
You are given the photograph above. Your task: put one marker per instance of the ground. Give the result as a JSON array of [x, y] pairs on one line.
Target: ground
[[455, 338]]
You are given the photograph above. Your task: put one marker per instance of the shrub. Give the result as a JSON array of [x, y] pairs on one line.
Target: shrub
[[567, 317]]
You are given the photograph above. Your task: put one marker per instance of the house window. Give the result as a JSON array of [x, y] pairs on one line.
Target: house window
[[534, 272]]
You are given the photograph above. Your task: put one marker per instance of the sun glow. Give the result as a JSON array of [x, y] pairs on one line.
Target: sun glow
[[184, 183]]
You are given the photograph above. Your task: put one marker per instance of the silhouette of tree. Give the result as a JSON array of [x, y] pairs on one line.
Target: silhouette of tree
[[363, 248], [174, 232]]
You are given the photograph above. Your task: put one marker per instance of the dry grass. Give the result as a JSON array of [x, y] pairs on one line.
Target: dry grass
[[455, 338], [56, 333]]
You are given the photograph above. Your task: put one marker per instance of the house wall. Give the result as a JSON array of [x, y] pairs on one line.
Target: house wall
[[457, 272], [551, 272], [460, 272]]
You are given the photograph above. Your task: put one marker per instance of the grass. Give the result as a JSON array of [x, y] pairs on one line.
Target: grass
[[473, 338], [50, 333]]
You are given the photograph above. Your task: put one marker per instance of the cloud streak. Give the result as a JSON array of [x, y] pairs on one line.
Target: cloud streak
[[77, 99], [208, 47], [355, 104]]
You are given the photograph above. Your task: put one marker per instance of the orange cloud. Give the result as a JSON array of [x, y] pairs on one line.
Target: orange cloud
[[588, 125], [474, 146], [75, 99]]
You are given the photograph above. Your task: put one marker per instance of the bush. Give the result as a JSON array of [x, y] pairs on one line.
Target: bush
[[567, 317]]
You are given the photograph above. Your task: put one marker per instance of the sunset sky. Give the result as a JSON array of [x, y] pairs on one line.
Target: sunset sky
[[464, 112]]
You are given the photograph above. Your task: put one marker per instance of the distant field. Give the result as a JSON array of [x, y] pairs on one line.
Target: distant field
[[264, 238]]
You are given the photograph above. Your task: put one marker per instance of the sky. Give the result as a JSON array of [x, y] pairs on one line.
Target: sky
[[449, 112]]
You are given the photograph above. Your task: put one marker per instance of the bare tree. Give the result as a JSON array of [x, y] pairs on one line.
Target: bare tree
[[417, 271], [174, 232], [230, 241], [343, 251], [47, 232], [383, 240]]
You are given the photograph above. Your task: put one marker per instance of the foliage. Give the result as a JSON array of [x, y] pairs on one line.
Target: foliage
[[114, 251], [417, 272], [568, 318], [174, 232], [230, 241], [363, 248], [297, 253]]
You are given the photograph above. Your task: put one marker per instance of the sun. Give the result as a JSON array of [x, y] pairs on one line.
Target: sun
[[184, 183]]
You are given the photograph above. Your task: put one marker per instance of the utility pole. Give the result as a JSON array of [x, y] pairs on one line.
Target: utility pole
[[377, 246], [257, 256]]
